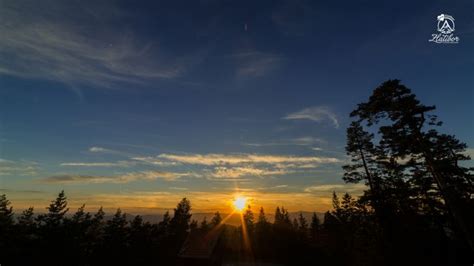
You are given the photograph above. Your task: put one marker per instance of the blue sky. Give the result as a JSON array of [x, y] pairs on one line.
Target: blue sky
[[136, 104]]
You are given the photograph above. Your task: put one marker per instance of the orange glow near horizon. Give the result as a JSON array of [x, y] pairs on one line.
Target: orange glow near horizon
[[158, 202]]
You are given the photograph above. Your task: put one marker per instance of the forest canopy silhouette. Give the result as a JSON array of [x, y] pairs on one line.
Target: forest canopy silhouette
[[417, 208]]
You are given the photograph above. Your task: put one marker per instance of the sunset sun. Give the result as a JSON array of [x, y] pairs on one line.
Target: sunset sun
[[239, 203]]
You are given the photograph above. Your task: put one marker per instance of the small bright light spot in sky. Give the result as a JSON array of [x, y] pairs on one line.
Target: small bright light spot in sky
[[239, 203]]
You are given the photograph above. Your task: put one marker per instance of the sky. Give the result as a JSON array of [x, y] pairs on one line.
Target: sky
[[136, 104]]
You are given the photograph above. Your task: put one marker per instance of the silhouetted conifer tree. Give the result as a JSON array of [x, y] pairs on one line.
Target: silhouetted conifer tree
[[285, 216], [118, 222], [179, 226], [408, 133], [278, 216], [56, 211], [182, 216], [295, 225], [363, 166], [6, 224], [303, 224], [249, 220], [263, 235], [81, 216], [204, 225], [94, 234], [262, 226], [165, 222], [137, 223], [216, 220], [99, 216], [6, 212], [315, 226], [27, 217], [330, 223], [262, 218], [193, 225]]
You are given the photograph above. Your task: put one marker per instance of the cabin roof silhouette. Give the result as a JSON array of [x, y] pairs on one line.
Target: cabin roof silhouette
[[199, 248]]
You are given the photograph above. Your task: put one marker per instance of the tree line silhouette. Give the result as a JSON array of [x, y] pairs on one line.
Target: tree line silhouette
[[418, 208]]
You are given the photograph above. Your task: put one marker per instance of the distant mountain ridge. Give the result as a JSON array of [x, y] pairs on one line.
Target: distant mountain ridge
[[199, 216], [233, 220]]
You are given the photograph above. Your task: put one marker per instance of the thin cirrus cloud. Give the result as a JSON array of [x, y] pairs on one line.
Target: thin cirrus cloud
[[99, 149], [256, 64], [21, 168], [124, 178], [235, 159], [301, 141], [242, 167], [329, 188], [317, 114], [307, 141], [210, 159], [215, 166], [100, 164], [43, 43], [154, 161], [275, 187], [238, 172]]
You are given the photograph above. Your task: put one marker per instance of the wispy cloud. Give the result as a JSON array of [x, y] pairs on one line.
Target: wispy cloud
[[32, 191], [238, 172], [100, 164], [235, 159], [98, 149], [55, 45], [244, 167], [256, 64], [270, 188], [154, 161], [22, 168], [301, 141], [178, 188], [216, 167], [317, 114], [265, 144], [329, 188], [307, 141], [124, 178]]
